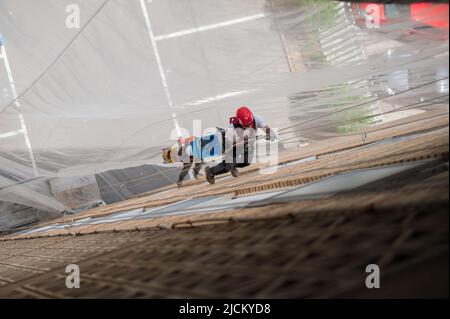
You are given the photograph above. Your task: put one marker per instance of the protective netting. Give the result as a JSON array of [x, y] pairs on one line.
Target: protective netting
[[108, 95]]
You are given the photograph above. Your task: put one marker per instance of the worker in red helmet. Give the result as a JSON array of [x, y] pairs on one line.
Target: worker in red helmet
[[243, 122]]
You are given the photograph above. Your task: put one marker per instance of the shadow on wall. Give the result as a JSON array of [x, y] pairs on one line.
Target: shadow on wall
[[117, 185], [14, 215]]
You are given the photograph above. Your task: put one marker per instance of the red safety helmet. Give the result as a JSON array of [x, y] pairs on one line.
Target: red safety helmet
[[244, 116]]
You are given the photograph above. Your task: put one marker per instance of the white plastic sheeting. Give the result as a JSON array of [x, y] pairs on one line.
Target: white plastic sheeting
[[109, 94]]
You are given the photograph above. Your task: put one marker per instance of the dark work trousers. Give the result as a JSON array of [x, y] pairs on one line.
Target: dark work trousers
[[187, 166], [237, 161]]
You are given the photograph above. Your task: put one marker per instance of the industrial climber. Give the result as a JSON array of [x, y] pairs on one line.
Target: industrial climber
[[182, 152], [239, 145]]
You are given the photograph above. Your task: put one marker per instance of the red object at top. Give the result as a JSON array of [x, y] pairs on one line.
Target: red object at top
[[244, 116], [432, 14]]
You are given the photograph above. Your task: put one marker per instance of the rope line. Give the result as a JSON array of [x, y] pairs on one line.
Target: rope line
[[58, 57]]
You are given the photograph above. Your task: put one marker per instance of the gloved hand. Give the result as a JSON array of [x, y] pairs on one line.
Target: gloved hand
[[271, 136]]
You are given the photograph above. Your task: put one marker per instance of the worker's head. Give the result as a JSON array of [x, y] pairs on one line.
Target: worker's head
[[244, 116]]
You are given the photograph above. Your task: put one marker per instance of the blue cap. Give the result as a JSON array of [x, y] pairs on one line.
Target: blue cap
[[1, 39]]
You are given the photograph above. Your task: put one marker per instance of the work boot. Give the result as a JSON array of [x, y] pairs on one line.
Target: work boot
[[235, 172], [209, 177], [197, 172]]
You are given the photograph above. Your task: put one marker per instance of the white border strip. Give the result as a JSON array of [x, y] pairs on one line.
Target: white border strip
[[210, 27], [17, 103], [11, 134], [159, 63], [218, 97]]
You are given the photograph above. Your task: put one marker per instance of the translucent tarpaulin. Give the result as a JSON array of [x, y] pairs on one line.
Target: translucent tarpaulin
[[111, 93]]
